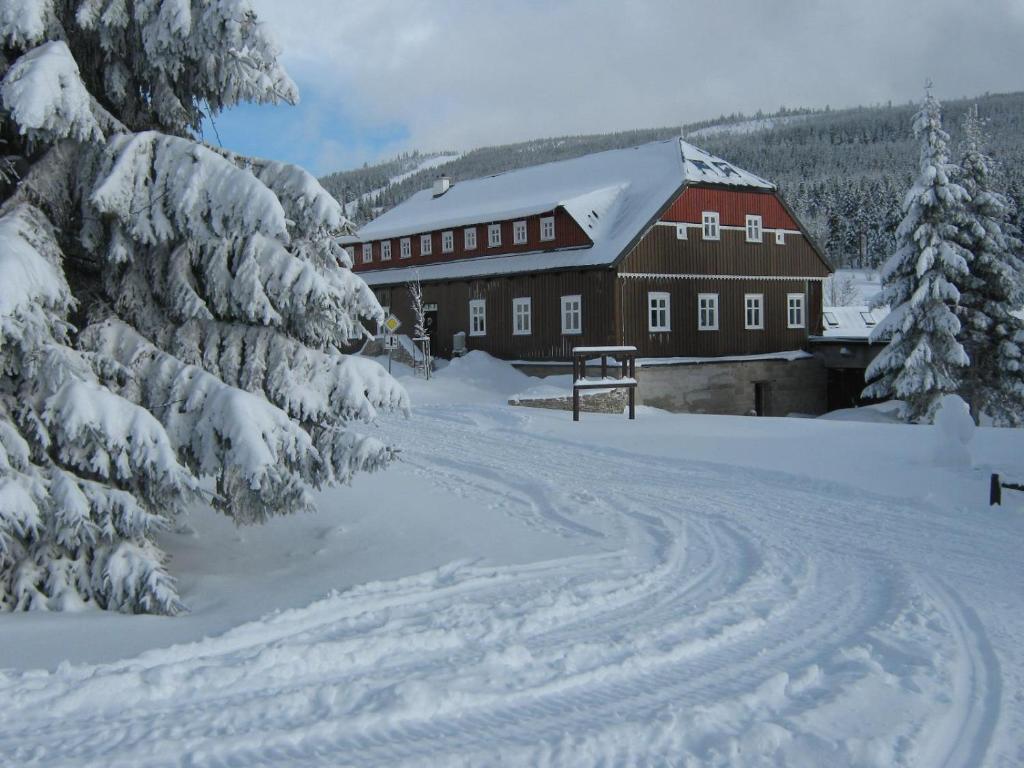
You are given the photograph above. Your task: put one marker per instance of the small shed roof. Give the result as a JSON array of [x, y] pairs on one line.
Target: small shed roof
[[851, 323]]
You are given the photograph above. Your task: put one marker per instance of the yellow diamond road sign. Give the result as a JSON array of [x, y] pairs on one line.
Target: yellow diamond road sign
[[392, 324]]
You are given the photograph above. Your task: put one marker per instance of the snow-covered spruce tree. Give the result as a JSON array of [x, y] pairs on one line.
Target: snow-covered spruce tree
[[168, 311], [923, 359], [991, 334]]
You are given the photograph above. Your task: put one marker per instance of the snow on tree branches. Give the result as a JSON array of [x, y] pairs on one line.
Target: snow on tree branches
[[923, 359], [169, 310], [992, 334]]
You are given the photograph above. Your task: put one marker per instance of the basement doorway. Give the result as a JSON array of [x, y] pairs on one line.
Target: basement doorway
[[762, 397]]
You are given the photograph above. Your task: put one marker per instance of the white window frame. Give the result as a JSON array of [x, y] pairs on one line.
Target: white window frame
[[387, 314], [753, 302], [469, 238], [681, 231], [780, 237], [659, 305], [712, 225], [367, 253], [351, 251], [522, 309], [547, 228], [405, 247], [796, 302], [570, 313], [478, 312], [385, 250], [519, 233], [707, 303], [426, 245], [755, 231], [494, 235], [448, 242]]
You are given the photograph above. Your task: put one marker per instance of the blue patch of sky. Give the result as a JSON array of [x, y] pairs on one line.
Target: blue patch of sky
[[318, 133]]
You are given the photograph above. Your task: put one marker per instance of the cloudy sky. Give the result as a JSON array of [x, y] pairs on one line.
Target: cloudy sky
[[381, 76]]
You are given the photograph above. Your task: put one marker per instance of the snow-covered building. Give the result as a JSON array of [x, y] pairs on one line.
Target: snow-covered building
[[845, 348], [662, 246]]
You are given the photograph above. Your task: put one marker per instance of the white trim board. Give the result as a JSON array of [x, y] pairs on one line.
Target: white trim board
[[695, 276]]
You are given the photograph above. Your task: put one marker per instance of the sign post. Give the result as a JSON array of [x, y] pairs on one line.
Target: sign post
[[391, 324]]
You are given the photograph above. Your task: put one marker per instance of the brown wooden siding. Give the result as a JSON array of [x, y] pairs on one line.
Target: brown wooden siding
[[568, 234], [733, 207], [732, 338], [661, 252], [546, 342]]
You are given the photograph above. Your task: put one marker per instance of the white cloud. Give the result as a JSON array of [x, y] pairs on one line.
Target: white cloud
[[460, 74]]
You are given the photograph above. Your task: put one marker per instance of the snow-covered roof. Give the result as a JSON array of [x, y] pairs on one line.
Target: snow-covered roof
[[851, 323], [612, 195]]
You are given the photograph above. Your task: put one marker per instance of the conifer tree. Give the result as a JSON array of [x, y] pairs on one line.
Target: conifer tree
[[991, 334], [923, 359], [169, 311]]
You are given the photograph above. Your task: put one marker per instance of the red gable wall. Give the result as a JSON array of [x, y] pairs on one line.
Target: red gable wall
[[733, 206]]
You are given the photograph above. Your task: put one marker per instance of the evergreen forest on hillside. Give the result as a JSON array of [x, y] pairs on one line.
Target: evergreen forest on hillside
[[844, 171]]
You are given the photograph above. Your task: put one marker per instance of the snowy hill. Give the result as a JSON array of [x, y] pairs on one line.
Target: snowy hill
[[525, 590]]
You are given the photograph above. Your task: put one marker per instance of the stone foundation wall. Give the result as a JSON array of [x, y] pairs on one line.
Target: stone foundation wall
[[797, 386], [614, 401]]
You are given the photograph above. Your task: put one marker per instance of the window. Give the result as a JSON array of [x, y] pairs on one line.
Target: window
[[385, 250], [780, 237], [521, 320], [519, 232], [447, 242], [680, 231], [426, 245], [547, 228], [831, 319], [367, 253], [753, 319], [868, 318], [794, 310], [405, 247], [493, 235], [711, 230], [469, 238], [387, 314], [657, 312], [572, 321], [351, 251], [754, 229], [478, 317], [707, 311]]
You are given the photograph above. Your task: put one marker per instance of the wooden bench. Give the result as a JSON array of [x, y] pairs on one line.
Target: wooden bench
[[626, 358]]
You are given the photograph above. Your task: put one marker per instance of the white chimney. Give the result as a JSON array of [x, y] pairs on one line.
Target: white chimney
[[441, 185]]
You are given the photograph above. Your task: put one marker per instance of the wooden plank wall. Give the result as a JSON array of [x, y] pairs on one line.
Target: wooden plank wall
[[546, 342], [732, 338], [568, 234], [661, 252]]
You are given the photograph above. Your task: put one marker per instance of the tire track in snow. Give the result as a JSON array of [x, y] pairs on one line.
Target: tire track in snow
[[693, 608]]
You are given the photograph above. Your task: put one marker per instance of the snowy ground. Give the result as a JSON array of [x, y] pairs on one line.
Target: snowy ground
[[523, 590]]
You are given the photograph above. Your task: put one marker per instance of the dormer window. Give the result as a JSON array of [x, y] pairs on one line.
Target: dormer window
[[547, 228], [405, 247], [426, 245], [493, 235], [447, 242], [711, 226], [385, 250], [469, 238], [367, 253], [753, 229], [519, 232]]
